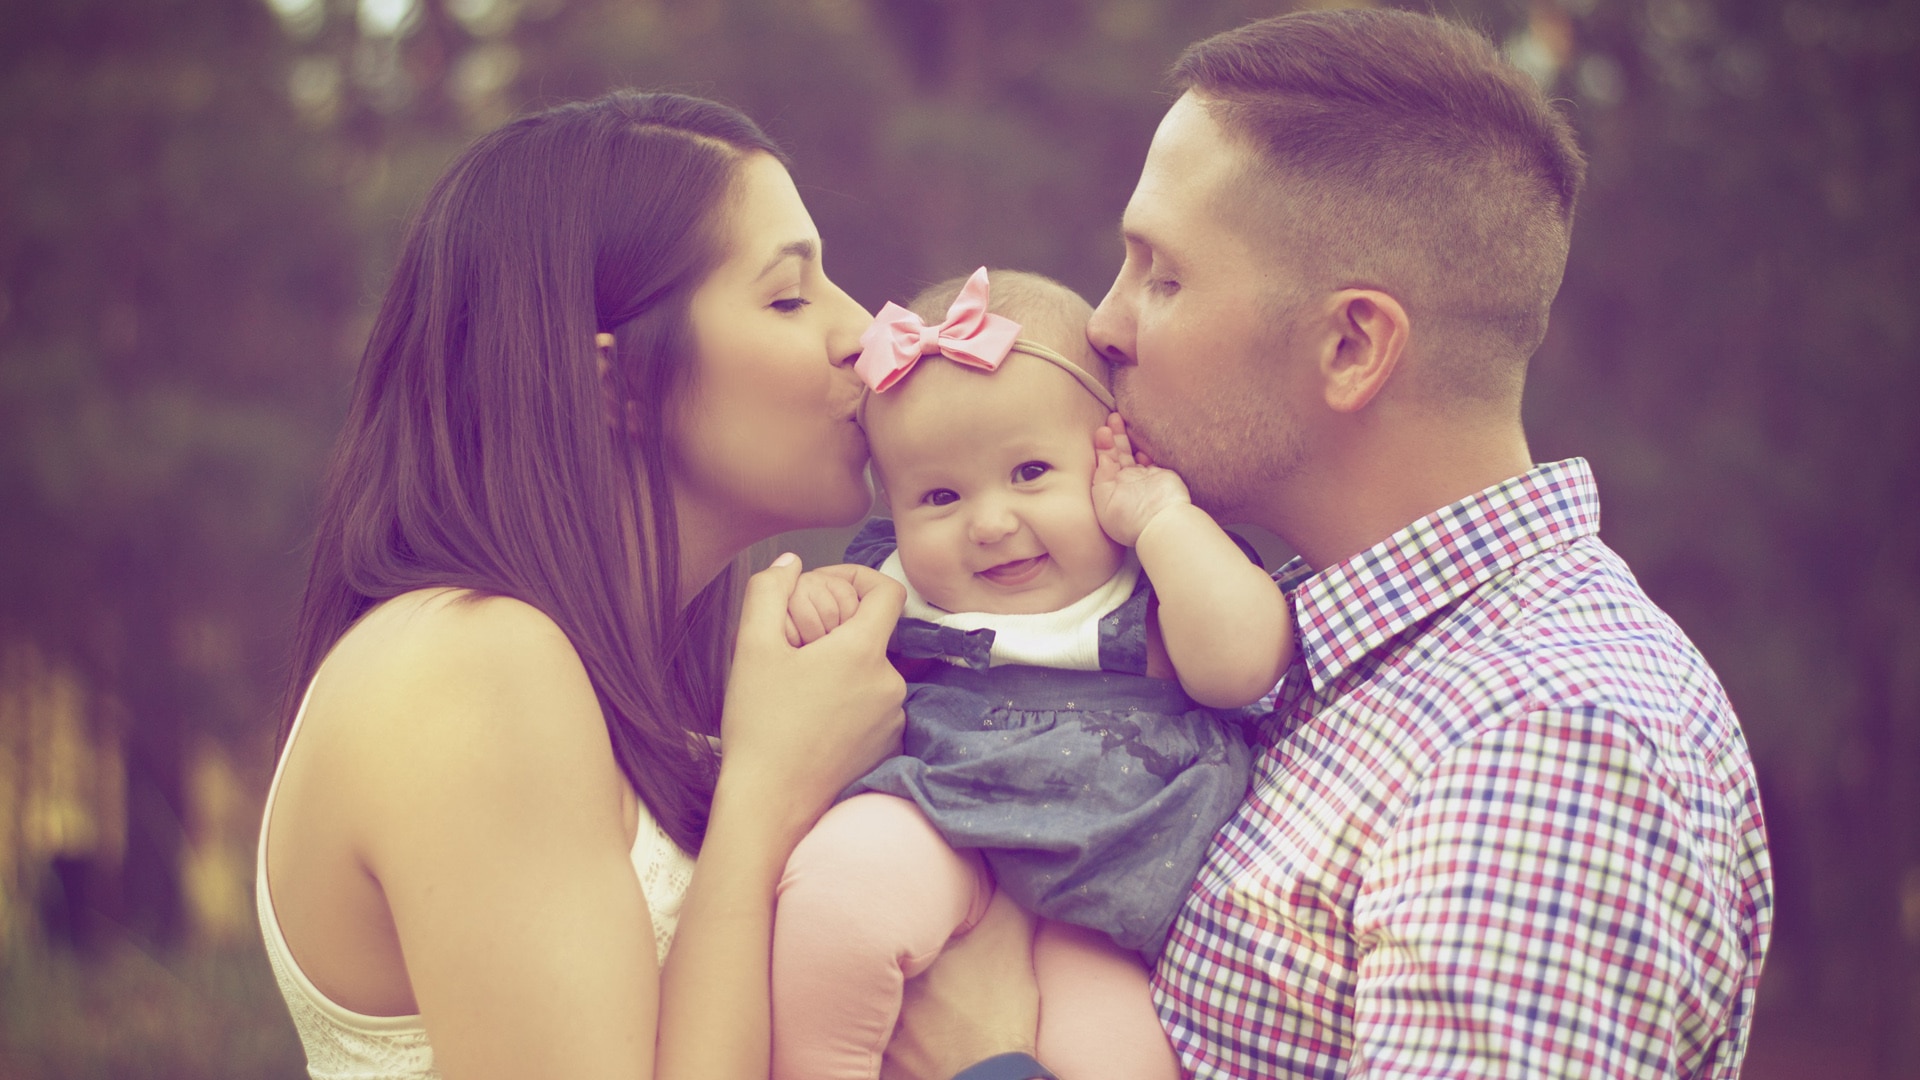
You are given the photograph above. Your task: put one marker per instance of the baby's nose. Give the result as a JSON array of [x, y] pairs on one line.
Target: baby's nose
[[992, 524]]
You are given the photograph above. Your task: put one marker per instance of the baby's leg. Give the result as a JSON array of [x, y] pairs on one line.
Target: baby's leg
[[869, 898], [1097, 1020]]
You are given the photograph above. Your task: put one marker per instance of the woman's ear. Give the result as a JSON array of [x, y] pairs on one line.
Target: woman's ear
[[622, 415], [1372, 330]]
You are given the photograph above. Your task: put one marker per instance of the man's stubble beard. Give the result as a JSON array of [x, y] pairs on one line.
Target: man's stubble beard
[[1234, 459]]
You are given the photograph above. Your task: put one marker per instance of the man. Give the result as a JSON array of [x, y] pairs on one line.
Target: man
[[1505, 823]]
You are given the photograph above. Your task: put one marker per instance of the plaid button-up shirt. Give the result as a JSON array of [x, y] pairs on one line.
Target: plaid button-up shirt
[[1504, 824]]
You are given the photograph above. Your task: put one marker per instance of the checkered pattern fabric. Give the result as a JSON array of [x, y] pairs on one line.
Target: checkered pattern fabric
[[1504, 824]]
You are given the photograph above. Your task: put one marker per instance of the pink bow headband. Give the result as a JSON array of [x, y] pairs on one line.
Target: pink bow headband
[[971, 335]]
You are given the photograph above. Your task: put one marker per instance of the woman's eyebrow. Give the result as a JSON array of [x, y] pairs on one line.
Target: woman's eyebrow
[[804, 250]]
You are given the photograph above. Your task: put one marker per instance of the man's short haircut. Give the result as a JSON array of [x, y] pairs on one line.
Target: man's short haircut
[[1399, 151]]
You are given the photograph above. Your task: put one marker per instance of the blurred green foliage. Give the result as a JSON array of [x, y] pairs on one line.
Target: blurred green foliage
[[198, 200]]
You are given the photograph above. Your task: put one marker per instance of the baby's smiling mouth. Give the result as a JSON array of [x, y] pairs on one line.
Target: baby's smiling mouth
[[1017, 572]]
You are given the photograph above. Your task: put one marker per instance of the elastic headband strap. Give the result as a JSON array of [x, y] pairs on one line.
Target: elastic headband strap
[[1080, 375], [1034, 349]]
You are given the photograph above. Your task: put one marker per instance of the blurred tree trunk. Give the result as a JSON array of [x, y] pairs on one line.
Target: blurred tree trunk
[[175, 274]]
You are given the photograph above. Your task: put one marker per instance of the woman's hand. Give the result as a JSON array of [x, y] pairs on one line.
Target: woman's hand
[[798, 726], [822, 599], [802, 723]]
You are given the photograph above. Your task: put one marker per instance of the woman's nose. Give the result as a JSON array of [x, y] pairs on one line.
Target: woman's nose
[[850, 320]]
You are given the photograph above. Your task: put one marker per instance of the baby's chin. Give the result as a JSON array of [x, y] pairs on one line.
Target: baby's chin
[[1052, 589], [1002, 606], [986, 600]]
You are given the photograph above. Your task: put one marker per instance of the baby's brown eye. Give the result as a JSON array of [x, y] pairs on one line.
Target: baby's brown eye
[[939, 497], [1030, 471]]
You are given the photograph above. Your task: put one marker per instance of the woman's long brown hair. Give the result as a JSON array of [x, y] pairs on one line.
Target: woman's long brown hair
[[479, 451]]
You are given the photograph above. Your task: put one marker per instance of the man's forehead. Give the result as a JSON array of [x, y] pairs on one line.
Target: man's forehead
[[1190, 165]]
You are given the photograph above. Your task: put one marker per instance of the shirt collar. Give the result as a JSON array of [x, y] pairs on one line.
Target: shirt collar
[[1352, 607]]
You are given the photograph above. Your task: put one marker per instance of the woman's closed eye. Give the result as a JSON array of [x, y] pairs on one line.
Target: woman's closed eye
[[1028, 471], [791, 304]]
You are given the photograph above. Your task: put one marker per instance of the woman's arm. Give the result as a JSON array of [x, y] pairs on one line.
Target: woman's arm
[[486, 805], [799, 725], [488, 808], [1226, 625]]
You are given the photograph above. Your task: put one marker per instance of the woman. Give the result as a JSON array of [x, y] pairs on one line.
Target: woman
[[609, 360]]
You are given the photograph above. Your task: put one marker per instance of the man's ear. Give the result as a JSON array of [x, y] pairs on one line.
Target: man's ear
[[1369, 337]]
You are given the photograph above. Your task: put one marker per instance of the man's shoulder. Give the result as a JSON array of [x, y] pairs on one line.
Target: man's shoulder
[[1562, 654], [1563, 638], [1581, 618], [1572, 631]]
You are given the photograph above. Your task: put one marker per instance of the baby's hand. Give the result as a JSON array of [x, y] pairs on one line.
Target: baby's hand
[[1128, 488], [822, 599]]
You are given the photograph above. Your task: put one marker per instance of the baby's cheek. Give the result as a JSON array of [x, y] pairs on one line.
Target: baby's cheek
[[1098, 556], [929, 569]]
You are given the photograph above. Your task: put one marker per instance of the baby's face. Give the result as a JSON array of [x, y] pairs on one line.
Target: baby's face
[[990, 479]]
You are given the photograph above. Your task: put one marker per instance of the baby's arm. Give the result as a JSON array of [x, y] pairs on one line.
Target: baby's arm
[[1227, 627]]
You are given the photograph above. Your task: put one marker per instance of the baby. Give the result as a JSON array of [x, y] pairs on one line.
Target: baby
[[1069, 613]]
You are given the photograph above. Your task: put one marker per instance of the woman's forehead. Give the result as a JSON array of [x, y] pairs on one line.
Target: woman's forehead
[[767, 221]]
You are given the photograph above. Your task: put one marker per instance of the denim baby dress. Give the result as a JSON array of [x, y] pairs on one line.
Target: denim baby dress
[[1092, 795]]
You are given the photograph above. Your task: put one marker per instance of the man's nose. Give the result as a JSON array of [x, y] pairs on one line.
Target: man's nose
[[1110, 331]]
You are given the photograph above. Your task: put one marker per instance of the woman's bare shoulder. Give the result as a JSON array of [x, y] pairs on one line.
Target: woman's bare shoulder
[[451, 687], [449, 628], [447, 640]]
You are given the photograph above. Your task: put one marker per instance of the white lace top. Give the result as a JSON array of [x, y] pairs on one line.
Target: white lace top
[[346, 1045]]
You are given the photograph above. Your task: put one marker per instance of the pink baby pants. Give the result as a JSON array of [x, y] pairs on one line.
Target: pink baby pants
[[870, 898]]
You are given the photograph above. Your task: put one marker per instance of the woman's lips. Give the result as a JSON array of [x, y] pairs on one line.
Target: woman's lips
[[1017, 572]]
